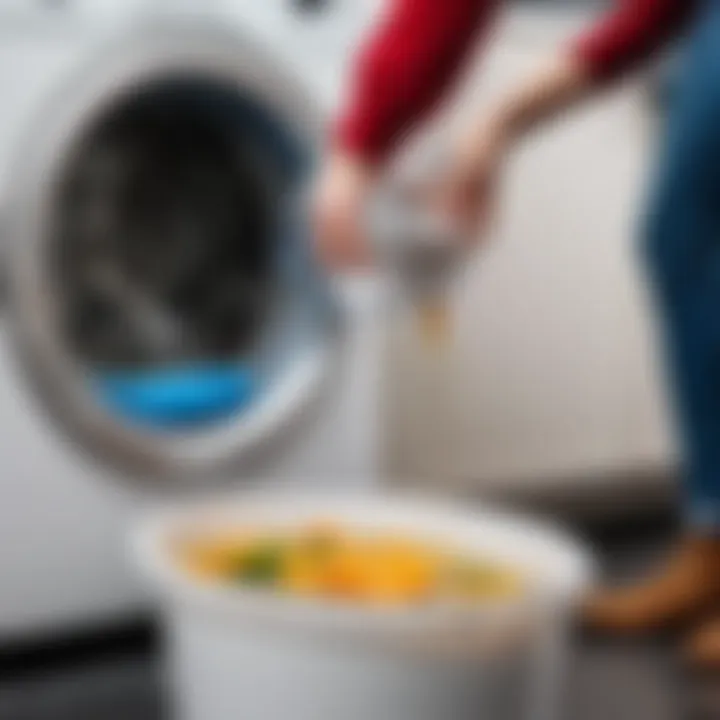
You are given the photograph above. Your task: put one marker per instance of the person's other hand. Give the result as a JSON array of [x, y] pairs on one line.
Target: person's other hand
[[338, 205], [467, 189]]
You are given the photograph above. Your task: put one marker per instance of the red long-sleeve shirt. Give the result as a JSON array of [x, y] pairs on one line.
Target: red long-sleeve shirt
[[417, 50]]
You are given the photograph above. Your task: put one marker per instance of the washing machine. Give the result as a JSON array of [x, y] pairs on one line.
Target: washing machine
[[166, 329]]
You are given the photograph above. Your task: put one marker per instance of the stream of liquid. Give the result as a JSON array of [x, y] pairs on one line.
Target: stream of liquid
[[435, 321]]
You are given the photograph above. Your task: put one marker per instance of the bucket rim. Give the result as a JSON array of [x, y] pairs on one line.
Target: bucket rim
[[567, 557]]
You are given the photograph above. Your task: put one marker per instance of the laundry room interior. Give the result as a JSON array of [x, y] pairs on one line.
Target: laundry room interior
[[243, 478]]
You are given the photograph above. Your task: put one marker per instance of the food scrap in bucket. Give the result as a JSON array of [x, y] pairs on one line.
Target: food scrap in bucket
[[325, 561]]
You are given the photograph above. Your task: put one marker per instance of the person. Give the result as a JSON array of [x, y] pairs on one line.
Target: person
[[402, 73]]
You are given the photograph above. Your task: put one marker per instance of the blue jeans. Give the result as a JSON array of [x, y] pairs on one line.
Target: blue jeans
[[682, 246]]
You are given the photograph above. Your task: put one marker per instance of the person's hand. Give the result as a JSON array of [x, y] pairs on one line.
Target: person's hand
[[338, 204], [467, 189]]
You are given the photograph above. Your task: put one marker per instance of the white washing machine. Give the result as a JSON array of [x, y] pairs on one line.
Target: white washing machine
[[166, 329]]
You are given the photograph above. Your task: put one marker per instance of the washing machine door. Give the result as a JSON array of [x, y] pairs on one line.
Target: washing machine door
[[163, 292]]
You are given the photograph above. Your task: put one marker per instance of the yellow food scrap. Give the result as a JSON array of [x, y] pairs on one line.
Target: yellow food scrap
[[302, 575], [473, 580], [214, 556]]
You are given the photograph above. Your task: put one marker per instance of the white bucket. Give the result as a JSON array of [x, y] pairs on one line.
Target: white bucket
[[235, 653]]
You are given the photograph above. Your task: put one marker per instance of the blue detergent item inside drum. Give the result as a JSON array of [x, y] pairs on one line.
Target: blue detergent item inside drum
[[178, 397]]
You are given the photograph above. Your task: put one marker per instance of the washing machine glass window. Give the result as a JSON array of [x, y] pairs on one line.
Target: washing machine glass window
[[176, 277], [164, 252]]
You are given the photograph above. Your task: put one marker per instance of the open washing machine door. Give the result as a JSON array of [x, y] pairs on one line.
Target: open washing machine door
[[164, 297]]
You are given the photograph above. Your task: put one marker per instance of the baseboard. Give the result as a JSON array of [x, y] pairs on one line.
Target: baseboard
[[48, 651], [612, 497]]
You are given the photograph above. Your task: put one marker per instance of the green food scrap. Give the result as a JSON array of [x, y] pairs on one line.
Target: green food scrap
[[262, 565]]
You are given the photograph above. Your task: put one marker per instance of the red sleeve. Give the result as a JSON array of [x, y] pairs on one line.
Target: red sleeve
[[402, 71], [631, 33]]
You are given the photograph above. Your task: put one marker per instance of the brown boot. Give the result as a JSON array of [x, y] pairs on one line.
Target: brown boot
[[686, 586], [702, 651]]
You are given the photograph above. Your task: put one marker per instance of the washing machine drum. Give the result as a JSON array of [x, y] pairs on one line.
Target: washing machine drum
[[163, 286]]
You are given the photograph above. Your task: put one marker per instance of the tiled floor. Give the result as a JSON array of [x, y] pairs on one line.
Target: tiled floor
[[607, 682], [121, 689]]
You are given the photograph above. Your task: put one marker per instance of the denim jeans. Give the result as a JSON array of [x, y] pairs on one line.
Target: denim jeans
[[682, 250]]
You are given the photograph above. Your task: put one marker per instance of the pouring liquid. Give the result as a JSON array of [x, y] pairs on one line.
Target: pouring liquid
[[435, 322]]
